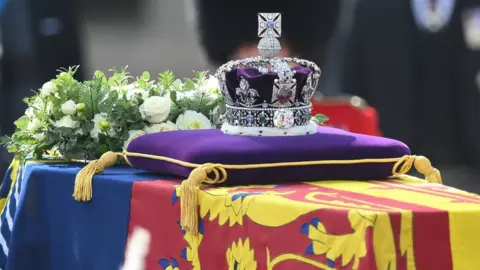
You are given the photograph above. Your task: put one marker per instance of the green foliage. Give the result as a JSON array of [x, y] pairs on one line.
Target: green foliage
[[87, 119], [22, 122], [320, 119]]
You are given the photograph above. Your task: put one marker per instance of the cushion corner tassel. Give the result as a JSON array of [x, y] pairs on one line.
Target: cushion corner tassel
[[421, 164], [189, 193], [83, 181]]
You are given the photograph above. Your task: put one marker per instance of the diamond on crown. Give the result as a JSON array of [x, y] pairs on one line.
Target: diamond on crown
[[283, 118]]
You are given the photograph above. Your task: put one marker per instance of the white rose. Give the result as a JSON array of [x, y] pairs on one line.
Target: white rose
[[168, 126], [69, 107], [193, 120], [48, 88], [34, 124], [66, 122], [132, 134], [155, 109]]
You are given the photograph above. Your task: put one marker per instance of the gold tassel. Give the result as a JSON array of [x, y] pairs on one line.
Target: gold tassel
[[83, 181], [422, 165], [189, 199], [189, 193]]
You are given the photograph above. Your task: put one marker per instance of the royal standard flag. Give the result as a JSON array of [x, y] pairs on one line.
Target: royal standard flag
[[396, 224]]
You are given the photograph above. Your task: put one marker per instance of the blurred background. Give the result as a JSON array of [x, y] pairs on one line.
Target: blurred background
[[406, 69]]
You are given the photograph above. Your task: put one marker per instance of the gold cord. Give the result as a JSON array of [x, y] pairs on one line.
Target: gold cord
[[215, 173]]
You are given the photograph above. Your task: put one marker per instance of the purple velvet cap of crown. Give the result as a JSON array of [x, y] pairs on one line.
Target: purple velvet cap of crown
[[263, 83], [212, 146]]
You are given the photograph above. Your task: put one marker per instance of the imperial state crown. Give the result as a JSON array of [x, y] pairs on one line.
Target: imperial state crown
[[268, 95]]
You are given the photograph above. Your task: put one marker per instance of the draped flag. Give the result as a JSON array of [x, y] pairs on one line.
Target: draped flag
[[42, 227], [9, 193], [397, 224]]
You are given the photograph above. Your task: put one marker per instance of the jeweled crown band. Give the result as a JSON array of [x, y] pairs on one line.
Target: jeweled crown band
[[269, 117]]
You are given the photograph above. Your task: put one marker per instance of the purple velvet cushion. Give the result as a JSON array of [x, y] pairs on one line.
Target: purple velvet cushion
[[212, 146]]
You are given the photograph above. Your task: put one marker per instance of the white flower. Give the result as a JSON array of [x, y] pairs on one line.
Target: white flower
[[48, 88], [167, 126], [49, 109], [34, 108], [34, 124], [155, 109], [30, 112], [193, 120], [186, 94], [97, 126], [132, 95], [211, 84], [123, 88], [39, 137], [131, 92], [177, 84], [37, 106], [132, 134], [69, 107], [66, 122]]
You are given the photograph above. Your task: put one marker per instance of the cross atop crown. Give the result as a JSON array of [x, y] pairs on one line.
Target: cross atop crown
[[268, 94], [269, 29], [269, 24]]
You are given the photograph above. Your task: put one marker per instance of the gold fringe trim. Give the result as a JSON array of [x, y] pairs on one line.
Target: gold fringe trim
[[217, 173]]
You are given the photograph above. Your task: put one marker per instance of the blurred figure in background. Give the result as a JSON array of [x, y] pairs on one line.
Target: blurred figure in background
[[417, 62], [229, 32]]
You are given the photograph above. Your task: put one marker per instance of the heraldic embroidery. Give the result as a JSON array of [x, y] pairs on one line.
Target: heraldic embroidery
[[342, 231]]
